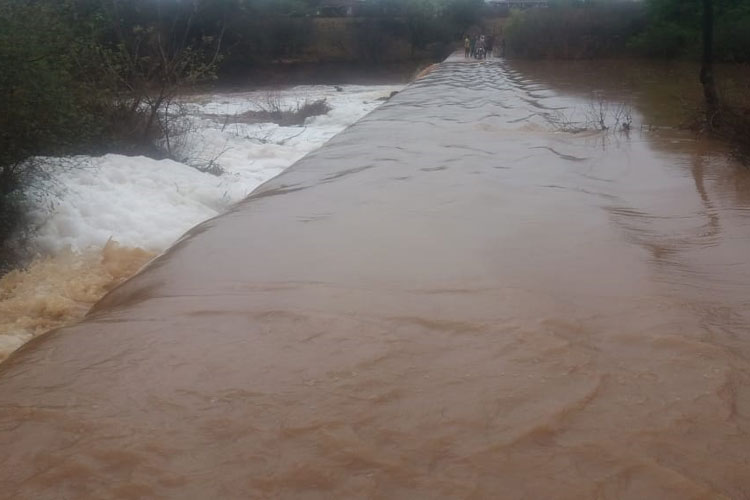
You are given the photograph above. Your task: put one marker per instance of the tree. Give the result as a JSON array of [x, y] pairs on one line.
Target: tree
[[157, 48], [707, 74], [423, 18], [464, 13], [47, 106]]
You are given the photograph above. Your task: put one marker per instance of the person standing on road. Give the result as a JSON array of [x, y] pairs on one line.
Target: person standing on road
[[467, 46], [473, 46]]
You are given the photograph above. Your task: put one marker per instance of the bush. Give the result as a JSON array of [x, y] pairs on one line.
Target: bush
[[80, 79], [574, 31], [674, 30], [732, 42], [273, 111], [13, 223], [44, 107], [667, 40], [253, 37]]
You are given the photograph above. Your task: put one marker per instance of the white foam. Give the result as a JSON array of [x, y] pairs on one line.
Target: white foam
[[145, 203]]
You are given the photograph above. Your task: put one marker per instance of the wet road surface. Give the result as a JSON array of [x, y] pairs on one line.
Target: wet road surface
[[457, 297]]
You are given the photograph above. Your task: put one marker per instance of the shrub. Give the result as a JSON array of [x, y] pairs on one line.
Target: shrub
[[79, 79], [733, 35], [13, 181], [574, 31], [273, 111], [45, 109], [667, 40], [674, 30]]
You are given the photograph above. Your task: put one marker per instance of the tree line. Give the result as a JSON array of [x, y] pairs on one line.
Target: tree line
[[666, 29]]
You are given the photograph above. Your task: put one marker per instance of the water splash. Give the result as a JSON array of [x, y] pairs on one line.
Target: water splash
[[57, 291]]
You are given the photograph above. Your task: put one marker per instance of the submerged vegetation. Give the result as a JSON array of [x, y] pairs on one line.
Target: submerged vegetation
[[273, 110]]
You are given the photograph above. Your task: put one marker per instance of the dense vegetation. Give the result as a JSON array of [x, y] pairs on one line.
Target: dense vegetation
[[575, 30], [674, 30], [578, 29]]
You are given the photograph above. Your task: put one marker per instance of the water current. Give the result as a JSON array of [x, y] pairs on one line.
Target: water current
[[471, 293]]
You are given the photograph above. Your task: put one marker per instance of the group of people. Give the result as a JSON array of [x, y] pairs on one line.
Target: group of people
[[481, 47]]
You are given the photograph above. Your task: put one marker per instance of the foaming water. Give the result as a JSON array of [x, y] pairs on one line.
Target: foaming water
[[57, 291], [454, 298]]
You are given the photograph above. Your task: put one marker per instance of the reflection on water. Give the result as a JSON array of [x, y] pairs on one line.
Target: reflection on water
[[452, 299]]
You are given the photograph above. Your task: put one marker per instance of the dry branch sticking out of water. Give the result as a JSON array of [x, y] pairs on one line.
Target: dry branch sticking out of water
[[599, 116]]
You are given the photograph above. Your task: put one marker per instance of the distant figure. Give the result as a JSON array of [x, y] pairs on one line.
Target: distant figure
[[467, 46], [473, 46], [490, 45], [481, 50]]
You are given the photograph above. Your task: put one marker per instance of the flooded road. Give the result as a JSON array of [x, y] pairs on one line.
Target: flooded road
[[458, 297]]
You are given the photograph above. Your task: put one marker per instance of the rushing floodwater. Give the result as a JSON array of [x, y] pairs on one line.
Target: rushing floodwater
[[99, 220], [455, 298]]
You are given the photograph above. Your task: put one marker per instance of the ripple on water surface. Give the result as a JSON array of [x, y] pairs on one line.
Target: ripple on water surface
[[454, 298]]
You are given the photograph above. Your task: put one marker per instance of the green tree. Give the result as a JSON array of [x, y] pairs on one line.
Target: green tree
[[463, 14], [675, 29], [153, 50], [48, 107], [92, 76]]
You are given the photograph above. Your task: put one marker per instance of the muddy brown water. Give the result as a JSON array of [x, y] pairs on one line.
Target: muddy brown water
[[454, 298]]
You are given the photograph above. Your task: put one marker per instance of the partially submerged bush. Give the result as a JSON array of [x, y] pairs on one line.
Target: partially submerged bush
[[599, 115], [273, 110], [732, 120], [735, 128], [12, 223], [306, 110]]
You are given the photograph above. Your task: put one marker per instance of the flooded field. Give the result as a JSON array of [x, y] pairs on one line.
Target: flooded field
[[490, 287]]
